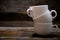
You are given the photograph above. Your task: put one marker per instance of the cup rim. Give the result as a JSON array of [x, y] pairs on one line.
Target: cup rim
[[43, 23], [39, 6]]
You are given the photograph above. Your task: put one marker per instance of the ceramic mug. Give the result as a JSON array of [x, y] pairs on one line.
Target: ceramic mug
[[44, 28], [41, 12], [46, 18]]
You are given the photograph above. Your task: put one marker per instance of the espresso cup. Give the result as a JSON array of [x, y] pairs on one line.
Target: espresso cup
[[46, 17], [41, 13], [44, 28], [35, 11]]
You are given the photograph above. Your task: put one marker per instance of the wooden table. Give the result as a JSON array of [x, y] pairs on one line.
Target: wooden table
[[25, 33]]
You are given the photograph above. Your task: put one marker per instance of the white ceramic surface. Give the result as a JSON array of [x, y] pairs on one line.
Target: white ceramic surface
[[34, 11], [42, 13], [44, 28]]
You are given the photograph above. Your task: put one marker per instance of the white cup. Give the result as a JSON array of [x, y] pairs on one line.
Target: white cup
[[34, 11], [44, 28], [41, 13], [46, 18]]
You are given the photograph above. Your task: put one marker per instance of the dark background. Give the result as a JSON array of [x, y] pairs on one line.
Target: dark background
[[15, 10]]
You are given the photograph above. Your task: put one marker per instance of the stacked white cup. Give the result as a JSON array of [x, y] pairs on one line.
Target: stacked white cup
[[42, 19]]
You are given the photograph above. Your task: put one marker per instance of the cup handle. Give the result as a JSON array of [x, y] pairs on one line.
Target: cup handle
[[55, 13], [55, 26], [29, 12]]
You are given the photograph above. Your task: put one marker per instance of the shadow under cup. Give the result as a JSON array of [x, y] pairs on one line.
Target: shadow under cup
[[43, 28]]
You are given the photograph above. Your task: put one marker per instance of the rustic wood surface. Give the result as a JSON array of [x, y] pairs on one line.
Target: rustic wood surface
[[20, 31]]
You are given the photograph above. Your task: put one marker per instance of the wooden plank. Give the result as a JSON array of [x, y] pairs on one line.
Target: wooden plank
[[24, 28], [27, 38]]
